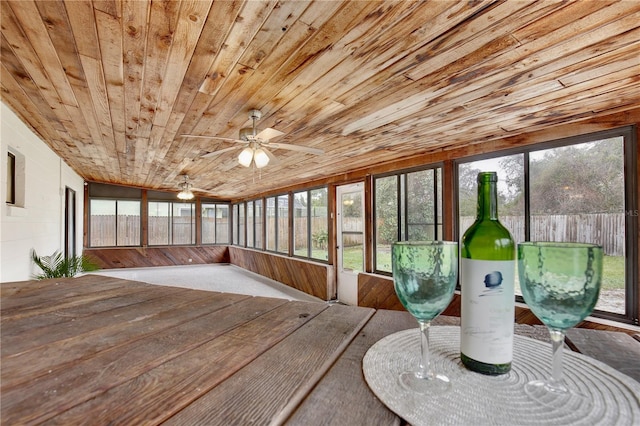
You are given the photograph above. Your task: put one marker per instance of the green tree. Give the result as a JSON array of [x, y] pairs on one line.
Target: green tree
[[386, 209], [512, 174], [585, 178], [468, 190], [420, 205]]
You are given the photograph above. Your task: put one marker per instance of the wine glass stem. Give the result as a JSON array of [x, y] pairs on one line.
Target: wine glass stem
[[557, 339], [425, 363]]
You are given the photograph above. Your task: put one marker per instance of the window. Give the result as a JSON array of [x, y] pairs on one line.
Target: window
[[277, 223], [241, 224], [311, 224], [271, 223], [579, 189], [301, 224], [114, 215], [236, 208], [114, 223], [15, 190], [319, 219], [11, 178], [257, 224], [250, 224], [407, 206], [253, 222], [171, 223], [215, 223], [510, 192], [282, 224]]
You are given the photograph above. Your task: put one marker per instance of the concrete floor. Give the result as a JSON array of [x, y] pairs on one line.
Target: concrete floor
[[219, 277]]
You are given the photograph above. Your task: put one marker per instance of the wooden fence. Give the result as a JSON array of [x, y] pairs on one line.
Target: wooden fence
[[103, 231], [604, 229]]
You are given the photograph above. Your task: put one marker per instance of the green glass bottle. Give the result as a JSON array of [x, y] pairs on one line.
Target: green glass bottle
[[487, 271]]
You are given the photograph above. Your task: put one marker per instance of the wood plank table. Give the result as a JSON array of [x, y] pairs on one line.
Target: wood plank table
[[100, 350]]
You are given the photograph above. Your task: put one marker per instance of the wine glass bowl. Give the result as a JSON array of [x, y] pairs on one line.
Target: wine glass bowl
[[425, 274], [560, 283]]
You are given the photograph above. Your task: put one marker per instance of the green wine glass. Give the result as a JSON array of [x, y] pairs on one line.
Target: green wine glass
[[424, 277], [560, 283]]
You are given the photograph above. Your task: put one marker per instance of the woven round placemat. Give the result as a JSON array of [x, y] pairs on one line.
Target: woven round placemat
[[612, 398]]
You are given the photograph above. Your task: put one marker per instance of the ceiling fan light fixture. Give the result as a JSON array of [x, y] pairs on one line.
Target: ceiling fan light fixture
[[185, 194], [185, 190], [246, 156], [261, 158]]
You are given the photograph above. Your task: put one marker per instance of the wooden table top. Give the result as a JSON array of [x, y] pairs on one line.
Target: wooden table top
[[98, 350]]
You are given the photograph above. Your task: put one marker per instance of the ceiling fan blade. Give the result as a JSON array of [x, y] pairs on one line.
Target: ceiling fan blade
[[300, 148], [220, 151], [215, 137], [272, 158], [268, 133]]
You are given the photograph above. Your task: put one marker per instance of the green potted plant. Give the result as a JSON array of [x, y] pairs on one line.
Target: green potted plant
[[59, 266]]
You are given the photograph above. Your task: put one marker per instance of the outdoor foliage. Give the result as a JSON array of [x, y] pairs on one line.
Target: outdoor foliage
[[58, 266], [578, 179], [417, 202]]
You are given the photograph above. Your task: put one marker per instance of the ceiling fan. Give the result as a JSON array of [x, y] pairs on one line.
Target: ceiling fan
[[185, 189], [258, 144]]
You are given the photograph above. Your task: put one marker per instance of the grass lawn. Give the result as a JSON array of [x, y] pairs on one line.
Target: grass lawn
[[613, 273], [613, 267]]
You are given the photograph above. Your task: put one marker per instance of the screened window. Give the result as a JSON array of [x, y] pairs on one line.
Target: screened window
[[114, 223], [254, 224], [241, 224], [236, 208], [311, 224], [301, 225], [250, 224], [574, 190], [510, 170], [271, 219], [282, 241], [319, 219], [171, 223], [277, 223], [407, 206], [215, 223], [258, 224]]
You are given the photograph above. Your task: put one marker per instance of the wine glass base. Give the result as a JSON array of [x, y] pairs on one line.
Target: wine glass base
[[434, 384], [555, 396]]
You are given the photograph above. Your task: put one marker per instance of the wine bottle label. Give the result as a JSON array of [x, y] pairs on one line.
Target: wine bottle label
[[487, 310]]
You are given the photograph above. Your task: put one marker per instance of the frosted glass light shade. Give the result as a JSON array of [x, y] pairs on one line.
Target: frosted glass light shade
[[261, 158], [185, 194], [246, 156]]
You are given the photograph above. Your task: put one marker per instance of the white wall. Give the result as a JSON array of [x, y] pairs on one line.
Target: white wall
[[39, 223]]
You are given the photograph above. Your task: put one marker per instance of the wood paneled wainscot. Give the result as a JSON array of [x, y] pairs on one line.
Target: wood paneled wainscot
[[142, 257], [376, 291], [313, 278]]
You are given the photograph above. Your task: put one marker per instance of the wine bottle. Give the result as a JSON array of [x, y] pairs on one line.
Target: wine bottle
[[487, 270]]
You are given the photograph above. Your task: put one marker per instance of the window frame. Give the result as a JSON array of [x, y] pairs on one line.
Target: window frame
[[258, 231], [309, 227], [171, 223], [116, 200], [402, 206], [628, 133], [216, 206]]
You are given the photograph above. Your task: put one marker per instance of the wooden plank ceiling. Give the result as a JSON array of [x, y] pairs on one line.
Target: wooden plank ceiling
[[112, 85]]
